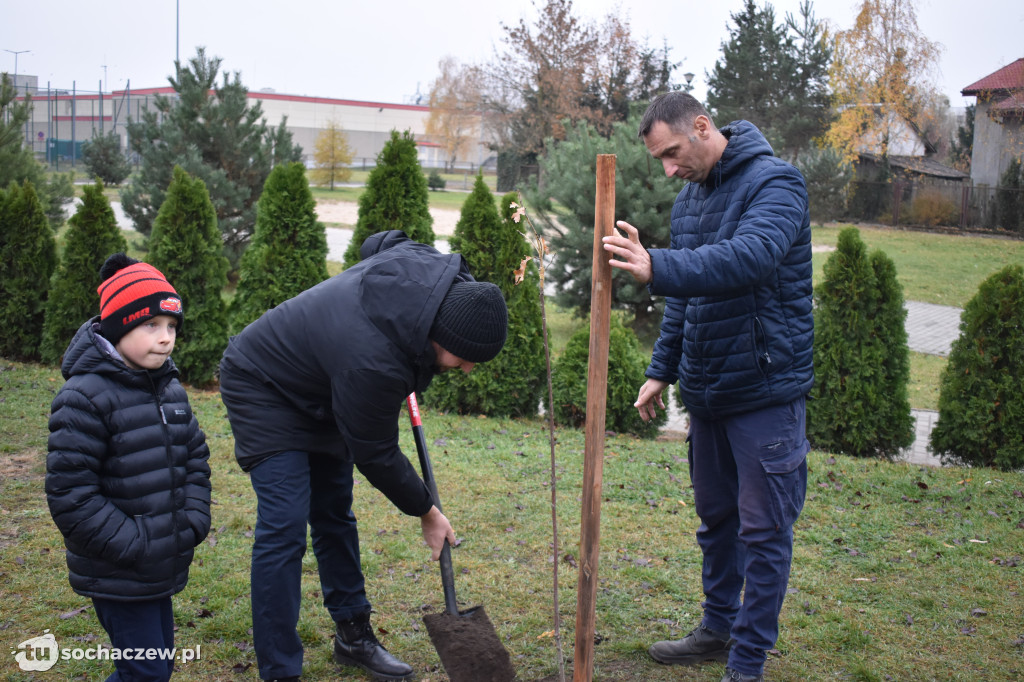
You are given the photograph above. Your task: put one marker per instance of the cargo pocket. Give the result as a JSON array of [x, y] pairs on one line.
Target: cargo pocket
[[786, 474]]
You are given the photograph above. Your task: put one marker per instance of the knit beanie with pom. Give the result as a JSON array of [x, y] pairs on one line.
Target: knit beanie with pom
[[131, 293]]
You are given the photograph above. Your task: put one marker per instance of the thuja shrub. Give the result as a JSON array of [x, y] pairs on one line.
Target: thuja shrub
[[92, 236], [187, 247], [859, 403], [626, 365], [28, 257], [981, 405], [288, 252], [395, 198], [511, 383]]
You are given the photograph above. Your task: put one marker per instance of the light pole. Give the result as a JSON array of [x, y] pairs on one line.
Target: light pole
[[689, 80], [16, 53]]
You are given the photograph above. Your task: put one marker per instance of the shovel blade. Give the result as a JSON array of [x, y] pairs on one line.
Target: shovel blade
[[468, 646]]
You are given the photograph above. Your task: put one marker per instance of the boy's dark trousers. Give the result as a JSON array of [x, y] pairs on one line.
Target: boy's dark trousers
[[136, 626]]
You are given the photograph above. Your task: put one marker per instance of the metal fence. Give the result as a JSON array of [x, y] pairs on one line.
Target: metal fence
[[911, 204]]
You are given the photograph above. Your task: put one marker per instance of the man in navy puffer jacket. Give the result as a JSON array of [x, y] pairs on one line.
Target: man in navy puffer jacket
[[737, 335]]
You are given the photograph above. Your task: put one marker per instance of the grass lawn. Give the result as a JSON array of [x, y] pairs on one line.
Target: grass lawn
[[900, 573], [944, 269]]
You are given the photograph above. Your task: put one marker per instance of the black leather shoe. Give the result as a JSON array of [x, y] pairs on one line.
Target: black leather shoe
[[736, 676], [356, 645], [698, 646]]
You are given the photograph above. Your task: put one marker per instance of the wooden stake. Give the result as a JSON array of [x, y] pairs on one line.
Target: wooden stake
[[597, 397]]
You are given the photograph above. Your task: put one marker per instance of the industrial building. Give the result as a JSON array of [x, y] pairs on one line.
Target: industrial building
[[63, 119]]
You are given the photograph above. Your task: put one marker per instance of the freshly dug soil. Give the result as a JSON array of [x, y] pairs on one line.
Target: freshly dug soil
[[468, 646]]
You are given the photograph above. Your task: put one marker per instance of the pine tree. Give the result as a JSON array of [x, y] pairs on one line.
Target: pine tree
[[92, 235], [220, 138], [859, 402], [828, 179], [186, 248], [395, 198], [104, 159], [981, 406], [774, 75], [511, 383], [288, 253], [28, 257], [643, 197]]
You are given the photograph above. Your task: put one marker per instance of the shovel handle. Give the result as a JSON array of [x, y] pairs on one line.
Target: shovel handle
[[447, 573]]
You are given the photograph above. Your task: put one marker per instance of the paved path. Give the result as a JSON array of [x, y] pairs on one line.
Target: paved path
[[930, 329]]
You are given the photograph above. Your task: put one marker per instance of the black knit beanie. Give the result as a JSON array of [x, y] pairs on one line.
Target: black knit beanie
[[472, 321], [131, 293]]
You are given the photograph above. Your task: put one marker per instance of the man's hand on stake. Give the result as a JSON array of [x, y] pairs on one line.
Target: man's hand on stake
[[636, 261]]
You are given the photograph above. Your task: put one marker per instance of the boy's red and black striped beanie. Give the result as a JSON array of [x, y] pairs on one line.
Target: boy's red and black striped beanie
[[131, 293]]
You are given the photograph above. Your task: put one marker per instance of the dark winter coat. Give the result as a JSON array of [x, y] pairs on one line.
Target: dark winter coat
[[738, 328], [329, 370], [127, 474]]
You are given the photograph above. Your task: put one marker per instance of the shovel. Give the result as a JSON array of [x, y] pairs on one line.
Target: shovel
[[466, 642]]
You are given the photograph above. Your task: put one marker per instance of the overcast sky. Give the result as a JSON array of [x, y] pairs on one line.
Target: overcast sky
[[388, 50]]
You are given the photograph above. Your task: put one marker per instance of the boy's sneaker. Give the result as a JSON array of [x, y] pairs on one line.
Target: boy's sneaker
[[736, 676], [700, 645]]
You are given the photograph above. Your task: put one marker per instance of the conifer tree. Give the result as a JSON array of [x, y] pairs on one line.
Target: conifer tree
[[775, 75], [856, 407], [828, 179], [395, 198], [91, 237], [186, 247], [104, 159], [28, 257], [981, 405], [288, 253], [215, 133], [643, 195], [626, 364], [17, 162], [511, 383], [1010, 198], [892, 421]]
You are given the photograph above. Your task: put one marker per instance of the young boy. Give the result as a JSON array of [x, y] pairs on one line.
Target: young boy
[[127, 478]]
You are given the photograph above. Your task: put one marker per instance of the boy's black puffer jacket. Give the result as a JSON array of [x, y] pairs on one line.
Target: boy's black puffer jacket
[[127, 474]]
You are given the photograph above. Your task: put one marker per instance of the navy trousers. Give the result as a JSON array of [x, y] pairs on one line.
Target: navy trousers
[[749, 476], [292, 489], [135, 625]]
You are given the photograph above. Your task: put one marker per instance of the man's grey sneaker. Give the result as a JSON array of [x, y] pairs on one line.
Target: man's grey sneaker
[[736, 676], [700, 645]]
